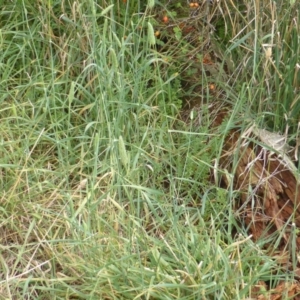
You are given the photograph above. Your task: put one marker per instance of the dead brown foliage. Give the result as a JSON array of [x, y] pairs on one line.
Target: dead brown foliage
[[269, 202]]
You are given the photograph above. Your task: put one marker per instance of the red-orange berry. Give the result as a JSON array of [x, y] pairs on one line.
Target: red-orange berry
[[165, 19]]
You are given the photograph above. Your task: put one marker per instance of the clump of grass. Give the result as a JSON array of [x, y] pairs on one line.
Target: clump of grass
[[101, 197], [262, 47]]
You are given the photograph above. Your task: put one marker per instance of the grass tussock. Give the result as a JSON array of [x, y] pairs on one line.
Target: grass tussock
[[105, 192]]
